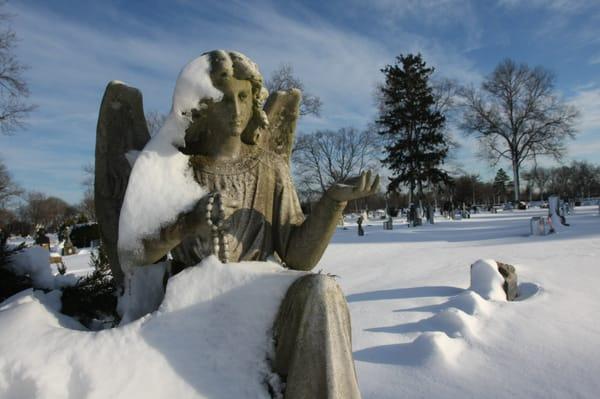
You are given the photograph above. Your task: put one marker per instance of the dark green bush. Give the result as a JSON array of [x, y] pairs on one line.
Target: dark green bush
[[93, 300]]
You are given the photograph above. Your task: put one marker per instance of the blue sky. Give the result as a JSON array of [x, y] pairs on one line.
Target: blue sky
[[73, 48]]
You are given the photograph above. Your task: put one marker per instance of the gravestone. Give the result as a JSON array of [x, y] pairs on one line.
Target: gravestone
[[41, 238], [430, 214], [388, 224], [555, 214], [359, 222], [415, 215], [538, 226]]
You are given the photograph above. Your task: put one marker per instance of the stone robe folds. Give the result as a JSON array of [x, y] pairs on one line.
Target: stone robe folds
[[268, 207], [313, 348]]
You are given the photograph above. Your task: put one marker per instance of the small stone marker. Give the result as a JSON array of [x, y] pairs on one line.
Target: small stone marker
[[510, 285]]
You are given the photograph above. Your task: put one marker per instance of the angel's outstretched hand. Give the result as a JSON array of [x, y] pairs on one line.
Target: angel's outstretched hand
[[359, 187]]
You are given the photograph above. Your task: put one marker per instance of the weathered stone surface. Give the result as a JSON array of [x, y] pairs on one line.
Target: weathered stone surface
[[121, 128], [510, 285], [313, 341]]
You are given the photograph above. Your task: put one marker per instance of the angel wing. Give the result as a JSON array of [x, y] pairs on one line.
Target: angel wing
[[282, 109], [121, 131]]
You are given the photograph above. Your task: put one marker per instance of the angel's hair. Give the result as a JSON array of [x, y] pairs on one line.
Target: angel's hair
[[237, 65]]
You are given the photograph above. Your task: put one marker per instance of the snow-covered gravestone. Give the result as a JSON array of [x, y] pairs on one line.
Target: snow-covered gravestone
[[494, 280], [214, 183]]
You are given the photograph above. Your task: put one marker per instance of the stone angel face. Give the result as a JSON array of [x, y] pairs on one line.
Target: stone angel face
[[239, 112]]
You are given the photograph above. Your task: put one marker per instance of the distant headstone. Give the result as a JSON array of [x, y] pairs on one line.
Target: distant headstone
[[388, 224], [359, 221], [415, 215], [41, 238], [538, 226], [556, 213], [68, 247], [429, 214]]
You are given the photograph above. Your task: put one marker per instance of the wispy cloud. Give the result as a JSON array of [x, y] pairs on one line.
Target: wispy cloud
[[563, 6], [588, 103], [336, 48]]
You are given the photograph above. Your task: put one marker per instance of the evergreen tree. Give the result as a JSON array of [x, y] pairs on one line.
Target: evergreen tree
[[93, 300], [501, 183], [408, 117]]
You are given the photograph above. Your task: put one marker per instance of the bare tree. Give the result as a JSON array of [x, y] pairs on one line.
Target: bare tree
[[46, 211], [8, 188], [283, 79], [87, 205], [539, 177], [585, 176], [13, 88], [326, 157], [517, 116]]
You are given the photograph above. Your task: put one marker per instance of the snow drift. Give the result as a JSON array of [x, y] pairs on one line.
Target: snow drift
[[210, 338]]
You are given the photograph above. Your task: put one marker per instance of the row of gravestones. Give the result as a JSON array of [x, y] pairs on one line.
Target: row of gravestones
[[557, 212]]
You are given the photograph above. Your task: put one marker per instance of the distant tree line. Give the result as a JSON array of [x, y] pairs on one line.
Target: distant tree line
[[578, 181]]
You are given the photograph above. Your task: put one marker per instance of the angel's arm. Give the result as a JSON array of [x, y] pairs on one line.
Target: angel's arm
[[307, 242]]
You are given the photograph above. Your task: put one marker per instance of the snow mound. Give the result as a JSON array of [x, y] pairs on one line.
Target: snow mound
[[161, 183], [210, 338], [470, 303], [486, 280], [437, 348], [453, 322], [34, 261]]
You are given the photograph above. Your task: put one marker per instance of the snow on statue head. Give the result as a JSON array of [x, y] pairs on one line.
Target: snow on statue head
[[224, 66]]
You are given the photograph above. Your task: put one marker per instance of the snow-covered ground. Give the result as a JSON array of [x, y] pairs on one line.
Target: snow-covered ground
[[418, 333], [418, 330]]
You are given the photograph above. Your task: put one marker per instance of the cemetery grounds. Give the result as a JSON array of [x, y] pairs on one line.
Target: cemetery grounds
[[418, 331]]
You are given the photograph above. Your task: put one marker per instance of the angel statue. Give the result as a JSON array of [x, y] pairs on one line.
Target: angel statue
[[215, 181]]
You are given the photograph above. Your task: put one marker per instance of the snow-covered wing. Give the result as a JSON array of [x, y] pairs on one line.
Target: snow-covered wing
[[121, 129], [282, 109]]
